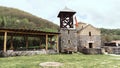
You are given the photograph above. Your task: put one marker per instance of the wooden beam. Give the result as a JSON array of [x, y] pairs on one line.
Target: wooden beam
[[5, 41], [57, 43], [11, 43], [46, 42], [32, 32]]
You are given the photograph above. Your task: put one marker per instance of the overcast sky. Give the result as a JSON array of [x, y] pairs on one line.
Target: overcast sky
[[99, 13]]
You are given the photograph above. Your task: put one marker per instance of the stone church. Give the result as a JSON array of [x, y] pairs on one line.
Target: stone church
[[73, 38]]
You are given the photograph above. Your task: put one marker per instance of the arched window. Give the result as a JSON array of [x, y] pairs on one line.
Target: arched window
[[68, 31], [69, 42], [89, 33]]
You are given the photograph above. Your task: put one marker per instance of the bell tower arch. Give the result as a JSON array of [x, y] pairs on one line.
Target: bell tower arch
[[66, 18]]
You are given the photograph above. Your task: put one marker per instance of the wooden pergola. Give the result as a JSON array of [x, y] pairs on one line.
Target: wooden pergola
[[24, 32]]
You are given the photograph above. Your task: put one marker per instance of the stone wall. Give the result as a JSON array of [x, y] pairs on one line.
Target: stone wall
[[68, 40], [26, 53], [91, 50], [89, 28], [112, 50], [84, 40], [81, 25]]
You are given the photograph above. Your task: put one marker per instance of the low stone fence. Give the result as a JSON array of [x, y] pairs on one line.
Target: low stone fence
[[26, 53], [91, 51], [112, 50]]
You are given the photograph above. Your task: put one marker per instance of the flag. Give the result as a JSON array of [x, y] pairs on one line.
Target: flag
[[76, 23]]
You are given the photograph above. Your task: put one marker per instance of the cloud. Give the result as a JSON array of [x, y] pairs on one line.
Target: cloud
[[100, 13]]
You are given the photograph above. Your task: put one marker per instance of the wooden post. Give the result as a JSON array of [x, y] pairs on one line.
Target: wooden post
[[5, 41], [46, 42], [40, 42], [57, 43], [11, 43], [26, 42]]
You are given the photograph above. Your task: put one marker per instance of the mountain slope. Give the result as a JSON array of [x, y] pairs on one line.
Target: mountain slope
[[14, 18]]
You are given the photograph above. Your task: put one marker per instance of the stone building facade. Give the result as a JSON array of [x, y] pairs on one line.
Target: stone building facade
[[71, 38], [88, 36]]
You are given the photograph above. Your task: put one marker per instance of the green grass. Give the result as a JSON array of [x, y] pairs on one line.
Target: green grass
[[69, 61]]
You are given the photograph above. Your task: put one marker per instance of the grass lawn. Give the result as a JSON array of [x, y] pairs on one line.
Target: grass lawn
[[69, 61]]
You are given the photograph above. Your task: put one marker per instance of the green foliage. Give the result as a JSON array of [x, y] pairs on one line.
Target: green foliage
[[110, 34], [110, 31], [17, 19]]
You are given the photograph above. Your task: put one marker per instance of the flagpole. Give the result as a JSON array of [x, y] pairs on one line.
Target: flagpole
[[76, 22]]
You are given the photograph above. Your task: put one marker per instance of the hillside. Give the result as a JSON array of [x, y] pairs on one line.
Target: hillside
[[17, 19]]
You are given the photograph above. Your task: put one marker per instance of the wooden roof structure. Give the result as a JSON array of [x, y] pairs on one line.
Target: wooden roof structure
[[20, 32], [66, 10], [25, 32]]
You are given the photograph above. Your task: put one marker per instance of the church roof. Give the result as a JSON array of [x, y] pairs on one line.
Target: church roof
[[67, 10], [86, 27]]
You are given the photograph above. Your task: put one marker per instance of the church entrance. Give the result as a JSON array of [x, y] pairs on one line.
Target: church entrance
[[90, 45]]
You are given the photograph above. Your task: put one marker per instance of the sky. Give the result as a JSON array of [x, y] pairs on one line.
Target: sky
[[99, 13]]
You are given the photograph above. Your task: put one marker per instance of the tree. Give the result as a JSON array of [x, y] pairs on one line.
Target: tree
[[3, 22]]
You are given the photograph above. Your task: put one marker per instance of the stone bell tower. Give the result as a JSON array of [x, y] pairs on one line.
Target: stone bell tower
[[68, 37]]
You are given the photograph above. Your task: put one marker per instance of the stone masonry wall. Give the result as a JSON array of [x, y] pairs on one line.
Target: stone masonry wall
[[84, 40], [26, 53], [68, 39]]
